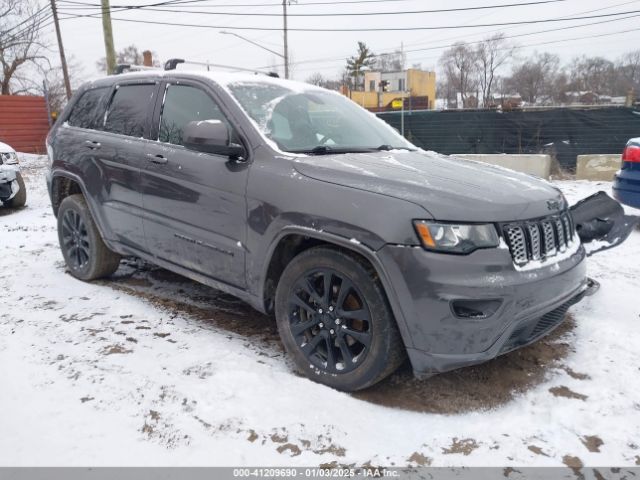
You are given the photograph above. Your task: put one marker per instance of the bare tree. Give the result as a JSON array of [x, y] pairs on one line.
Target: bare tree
[[492, 54], [460, 65], [21, 44], [629, 71], [596, 74], [315, 79], [130, 55], [534, 77], [55, 83]]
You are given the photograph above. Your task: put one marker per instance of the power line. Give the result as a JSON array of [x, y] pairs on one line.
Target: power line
[[383, 29], [522, 46], [449, 45], [344, 14], [36, 26], [188, 3], [29, 18]]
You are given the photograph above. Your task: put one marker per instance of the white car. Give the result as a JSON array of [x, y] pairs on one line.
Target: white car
[[12, 189]]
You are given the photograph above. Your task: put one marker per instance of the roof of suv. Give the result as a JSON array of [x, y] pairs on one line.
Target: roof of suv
[[224, 79]]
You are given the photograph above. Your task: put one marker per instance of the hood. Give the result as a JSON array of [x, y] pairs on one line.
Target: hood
[[449, 188], [4, 148]]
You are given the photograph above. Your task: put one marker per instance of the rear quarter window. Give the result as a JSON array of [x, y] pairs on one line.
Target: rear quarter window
[[89, 109], [127, 113]]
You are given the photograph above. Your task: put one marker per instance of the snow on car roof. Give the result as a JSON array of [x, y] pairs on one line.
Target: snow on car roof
[[220, 77]]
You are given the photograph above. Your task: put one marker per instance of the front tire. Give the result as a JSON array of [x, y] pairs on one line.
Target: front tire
[[335, 321], [83, 249], [20, 198]]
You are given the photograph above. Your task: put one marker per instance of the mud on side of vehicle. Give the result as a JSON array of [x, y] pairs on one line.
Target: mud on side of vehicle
[[305, 205]]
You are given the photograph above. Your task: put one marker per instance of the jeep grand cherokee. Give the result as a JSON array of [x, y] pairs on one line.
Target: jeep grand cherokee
[[293, 198]]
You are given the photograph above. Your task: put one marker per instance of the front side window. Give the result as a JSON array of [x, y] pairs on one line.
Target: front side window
[[127, 114], [315, 120], [88, 109], [184, 104]]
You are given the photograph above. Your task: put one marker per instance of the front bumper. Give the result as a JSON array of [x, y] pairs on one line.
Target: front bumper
[[8, 182], [521, 306]]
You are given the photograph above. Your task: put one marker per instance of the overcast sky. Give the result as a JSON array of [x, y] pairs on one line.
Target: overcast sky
[[325, 52]]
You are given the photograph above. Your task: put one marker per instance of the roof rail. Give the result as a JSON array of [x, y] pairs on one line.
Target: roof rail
[[172, 63], [126, 67]]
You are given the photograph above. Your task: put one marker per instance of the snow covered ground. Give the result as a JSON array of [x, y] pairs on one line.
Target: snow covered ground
[[153, 369]]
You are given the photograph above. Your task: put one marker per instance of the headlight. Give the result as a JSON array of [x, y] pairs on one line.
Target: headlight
[[10, 158], [452, 238]]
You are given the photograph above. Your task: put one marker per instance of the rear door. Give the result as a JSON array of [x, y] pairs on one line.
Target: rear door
[[117, 149], [195, 205]]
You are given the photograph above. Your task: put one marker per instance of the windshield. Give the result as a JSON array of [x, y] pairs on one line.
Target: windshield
[[314, 121]]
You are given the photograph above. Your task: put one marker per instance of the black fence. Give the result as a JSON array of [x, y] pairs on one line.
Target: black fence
[[561, 132]]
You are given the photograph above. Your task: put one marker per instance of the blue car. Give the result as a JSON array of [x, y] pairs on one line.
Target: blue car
[[626, 185]]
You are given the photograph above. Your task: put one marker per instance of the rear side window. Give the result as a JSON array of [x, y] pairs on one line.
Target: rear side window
[[89, 109], [127, 113], [184, 104]]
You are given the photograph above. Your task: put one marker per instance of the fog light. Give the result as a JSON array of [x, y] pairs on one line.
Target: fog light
[[475, 309]]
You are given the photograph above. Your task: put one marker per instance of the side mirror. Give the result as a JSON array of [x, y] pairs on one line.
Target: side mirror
[[211, 136]]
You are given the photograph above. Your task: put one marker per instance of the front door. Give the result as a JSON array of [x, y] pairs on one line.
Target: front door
[[195, 205]]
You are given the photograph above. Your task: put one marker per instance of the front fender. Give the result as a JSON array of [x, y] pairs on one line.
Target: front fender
[[348, 244]]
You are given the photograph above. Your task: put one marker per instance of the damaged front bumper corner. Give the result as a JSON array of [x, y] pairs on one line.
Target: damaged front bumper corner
[[9, 186]]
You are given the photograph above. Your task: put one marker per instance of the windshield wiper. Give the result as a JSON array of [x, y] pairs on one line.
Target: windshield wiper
[[386, 148], [327, 150]]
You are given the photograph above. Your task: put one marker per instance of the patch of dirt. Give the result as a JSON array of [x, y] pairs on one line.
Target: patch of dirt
[[574, 463], [479, 387], [566, 392], [115, 349], [537, 450], [592, 442], [332, 449], [276, 438], [419, 459], [576, 375], [464, 446], [291, 447], [176, 293], [253, 436], [474, 388]]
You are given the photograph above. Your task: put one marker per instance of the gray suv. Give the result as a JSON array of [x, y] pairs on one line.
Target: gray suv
[[293, 198]]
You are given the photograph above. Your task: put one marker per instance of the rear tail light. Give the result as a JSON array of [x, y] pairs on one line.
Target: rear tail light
[[631, 153]]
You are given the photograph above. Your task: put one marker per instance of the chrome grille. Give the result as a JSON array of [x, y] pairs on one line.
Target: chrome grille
[[539, 239], [562, 243], [517, 245], [534, 237], [549, 238]]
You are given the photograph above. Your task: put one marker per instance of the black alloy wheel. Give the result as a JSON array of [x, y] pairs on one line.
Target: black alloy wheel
[[330, 320], [335, 321], [75, 239], [83, 248]]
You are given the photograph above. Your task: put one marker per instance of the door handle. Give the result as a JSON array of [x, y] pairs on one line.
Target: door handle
[[92, 145], [160, 159]]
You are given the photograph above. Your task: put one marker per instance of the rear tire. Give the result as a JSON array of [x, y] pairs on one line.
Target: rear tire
[[21, 197], [83, 249], [335, 322]]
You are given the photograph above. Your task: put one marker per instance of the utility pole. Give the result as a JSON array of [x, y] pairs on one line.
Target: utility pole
[[63, 58], [108, 37], [286, 40]]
